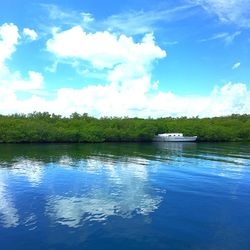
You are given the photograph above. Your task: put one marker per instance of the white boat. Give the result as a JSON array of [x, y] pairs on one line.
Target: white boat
[[174, 137]]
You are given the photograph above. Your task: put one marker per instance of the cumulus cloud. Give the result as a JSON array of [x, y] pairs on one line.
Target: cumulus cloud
[[129, 89], [8, 40], [236, 65], [231, 98], [111, 100], [103, 49], [12, 81], [127, 64], [29, 33]]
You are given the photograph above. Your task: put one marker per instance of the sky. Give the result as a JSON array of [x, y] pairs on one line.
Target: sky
[[135, 58]]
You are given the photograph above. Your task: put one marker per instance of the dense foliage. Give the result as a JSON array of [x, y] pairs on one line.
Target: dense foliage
[[45, 127]]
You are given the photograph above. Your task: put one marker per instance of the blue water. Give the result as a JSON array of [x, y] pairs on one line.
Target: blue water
[[125, 196]]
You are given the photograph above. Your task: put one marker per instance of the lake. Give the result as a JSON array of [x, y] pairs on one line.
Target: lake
[[125, 196]]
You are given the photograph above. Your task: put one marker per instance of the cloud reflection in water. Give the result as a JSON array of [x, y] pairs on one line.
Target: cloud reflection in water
[[32, 170], [8, 212], [123, 190]]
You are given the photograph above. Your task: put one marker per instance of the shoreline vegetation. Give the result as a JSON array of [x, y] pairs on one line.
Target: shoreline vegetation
[[44, 127]]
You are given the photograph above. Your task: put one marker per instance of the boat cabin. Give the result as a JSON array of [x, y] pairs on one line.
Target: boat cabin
[[171, 135]]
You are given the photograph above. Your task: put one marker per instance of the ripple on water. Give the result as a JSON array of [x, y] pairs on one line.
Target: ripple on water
[[135, 196]]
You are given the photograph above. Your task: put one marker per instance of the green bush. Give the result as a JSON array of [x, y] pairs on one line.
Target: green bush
[[45, 127]]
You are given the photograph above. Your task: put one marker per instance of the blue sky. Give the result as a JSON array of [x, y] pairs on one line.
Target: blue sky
[[130, 58]]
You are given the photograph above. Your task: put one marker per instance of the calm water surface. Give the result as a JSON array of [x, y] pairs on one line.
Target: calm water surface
[[125, 196]]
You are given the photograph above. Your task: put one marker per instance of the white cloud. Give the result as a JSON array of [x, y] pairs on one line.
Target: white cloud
[[228, 11], [141, 22], [8, 40], [87, 17], [230, 38], [227, 37], [132, 22], [236, 65], [103, 49], [129, 90], [8, 213], [31, 34], [128, 66], [14, 81], [11, 81], [112, 100], [67, 17]]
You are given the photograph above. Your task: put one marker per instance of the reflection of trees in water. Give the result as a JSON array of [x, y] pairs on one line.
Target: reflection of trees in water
[[124, 191], [52, 153], [8, 213]]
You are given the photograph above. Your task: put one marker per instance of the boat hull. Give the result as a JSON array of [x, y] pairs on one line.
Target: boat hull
[[175, 139]]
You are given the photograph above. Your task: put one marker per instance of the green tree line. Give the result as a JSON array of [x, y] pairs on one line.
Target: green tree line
[[46, 127]]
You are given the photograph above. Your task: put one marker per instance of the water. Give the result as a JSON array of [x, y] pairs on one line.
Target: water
[[125, 196]]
